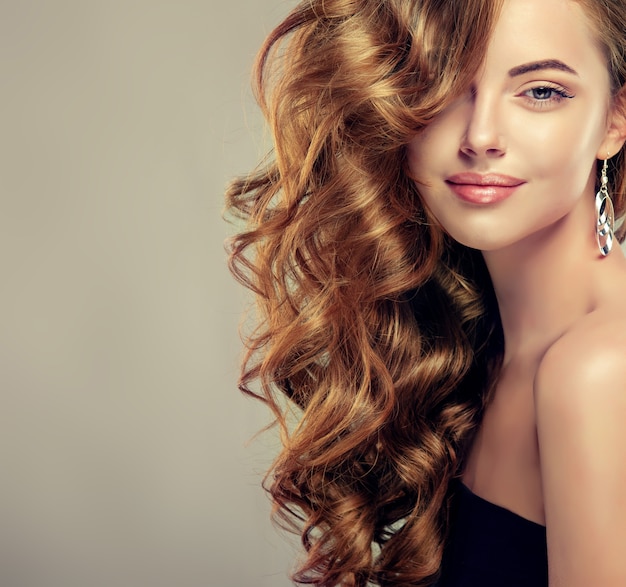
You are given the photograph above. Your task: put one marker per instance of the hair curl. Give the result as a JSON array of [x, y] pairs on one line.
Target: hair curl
[[608, 19], [383, 331]]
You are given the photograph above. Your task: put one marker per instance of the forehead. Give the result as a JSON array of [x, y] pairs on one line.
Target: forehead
[[534, 30]]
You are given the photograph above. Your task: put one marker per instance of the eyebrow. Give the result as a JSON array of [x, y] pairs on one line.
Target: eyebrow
[[539, 65]]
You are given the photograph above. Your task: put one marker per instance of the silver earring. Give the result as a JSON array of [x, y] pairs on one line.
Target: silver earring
[[605, 215]]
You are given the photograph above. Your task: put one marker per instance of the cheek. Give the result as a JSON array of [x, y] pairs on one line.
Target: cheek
[[438, 142], [413, 151], [562, 150]]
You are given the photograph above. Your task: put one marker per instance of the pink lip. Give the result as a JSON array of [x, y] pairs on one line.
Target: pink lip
[[483, 189]]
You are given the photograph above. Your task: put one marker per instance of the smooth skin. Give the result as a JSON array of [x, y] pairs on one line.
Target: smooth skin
[[552, 445]]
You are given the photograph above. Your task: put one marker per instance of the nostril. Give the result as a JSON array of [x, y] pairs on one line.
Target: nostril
[[495, 152], [482, 147], [469, 152]]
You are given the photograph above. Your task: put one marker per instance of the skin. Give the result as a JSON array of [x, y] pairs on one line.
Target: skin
[[551, 445]]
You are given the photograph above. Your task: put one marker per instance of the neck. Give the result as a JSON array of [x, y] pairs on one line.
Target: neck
[[546, 282]]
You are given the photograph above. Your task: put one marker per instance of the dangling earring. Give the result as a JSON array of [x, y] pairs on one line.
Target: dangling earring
[[605, 215]]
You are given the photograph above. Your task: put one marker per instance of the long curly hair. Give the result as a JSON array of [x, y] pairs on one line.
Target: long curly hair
[[608, 19], [382, 331]]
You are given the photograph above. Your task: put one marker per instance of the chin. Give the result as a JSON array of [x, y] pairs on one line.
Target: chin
[[482, 242]]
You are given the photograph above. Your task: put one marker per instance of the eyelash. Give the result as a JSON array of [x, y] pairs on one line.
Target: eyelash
[[558, 95]]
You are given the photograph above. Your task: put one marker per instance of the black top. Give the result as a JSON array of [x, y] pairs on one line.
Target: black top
[[490, 546]]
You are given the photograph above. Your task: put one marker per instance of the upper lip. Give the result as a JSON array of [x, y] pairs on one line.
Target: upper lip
[[487, 179]]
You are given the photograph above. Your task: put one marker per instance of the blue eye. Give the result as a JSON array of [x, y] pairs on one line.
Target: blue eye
[[542, 93], [547, 94]]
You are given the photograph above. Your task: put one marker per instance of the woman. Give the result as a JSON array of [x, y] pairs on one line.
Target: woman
[[439, 290]]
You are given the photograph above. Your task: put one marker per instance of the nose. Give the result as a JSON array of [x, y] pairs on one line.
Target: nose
[[484, 134]]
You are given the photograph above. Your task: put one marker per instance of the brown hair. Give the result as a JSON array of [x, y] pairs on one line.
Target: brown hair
[[381, 330], [608, 19]]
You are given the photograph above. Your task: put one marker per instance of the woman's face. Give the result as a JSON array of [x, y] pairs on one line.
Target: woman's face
[[517, 152]]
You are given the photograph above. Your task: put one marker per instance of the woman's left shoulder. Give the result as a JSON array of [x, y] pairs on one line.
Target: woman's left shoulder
[[580, 407], [587, 363]]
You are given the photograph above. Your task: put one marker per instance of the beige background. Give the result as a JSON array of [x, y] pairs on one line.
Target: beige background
[[122, 457]]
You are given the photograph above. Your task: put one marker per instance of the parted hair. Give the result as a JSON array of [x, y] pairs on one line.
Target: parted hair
[[381, 330]]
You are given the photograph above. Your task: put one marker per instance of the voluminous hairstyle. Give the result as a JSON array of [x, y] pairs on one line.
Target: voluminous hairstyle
[[608, 19], [378, 327]]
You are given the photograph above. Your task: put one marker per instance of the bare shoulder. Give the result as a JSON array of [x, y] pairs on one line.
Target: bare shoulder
[[580, 405], [588, 362]]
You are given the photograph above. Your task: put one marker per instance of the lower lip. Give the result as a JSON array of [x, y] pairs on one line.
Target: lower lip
[[482, 194]]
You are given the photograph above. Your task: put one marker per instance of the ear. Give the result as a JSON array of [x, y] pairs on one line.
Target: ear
[[616, 130]]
